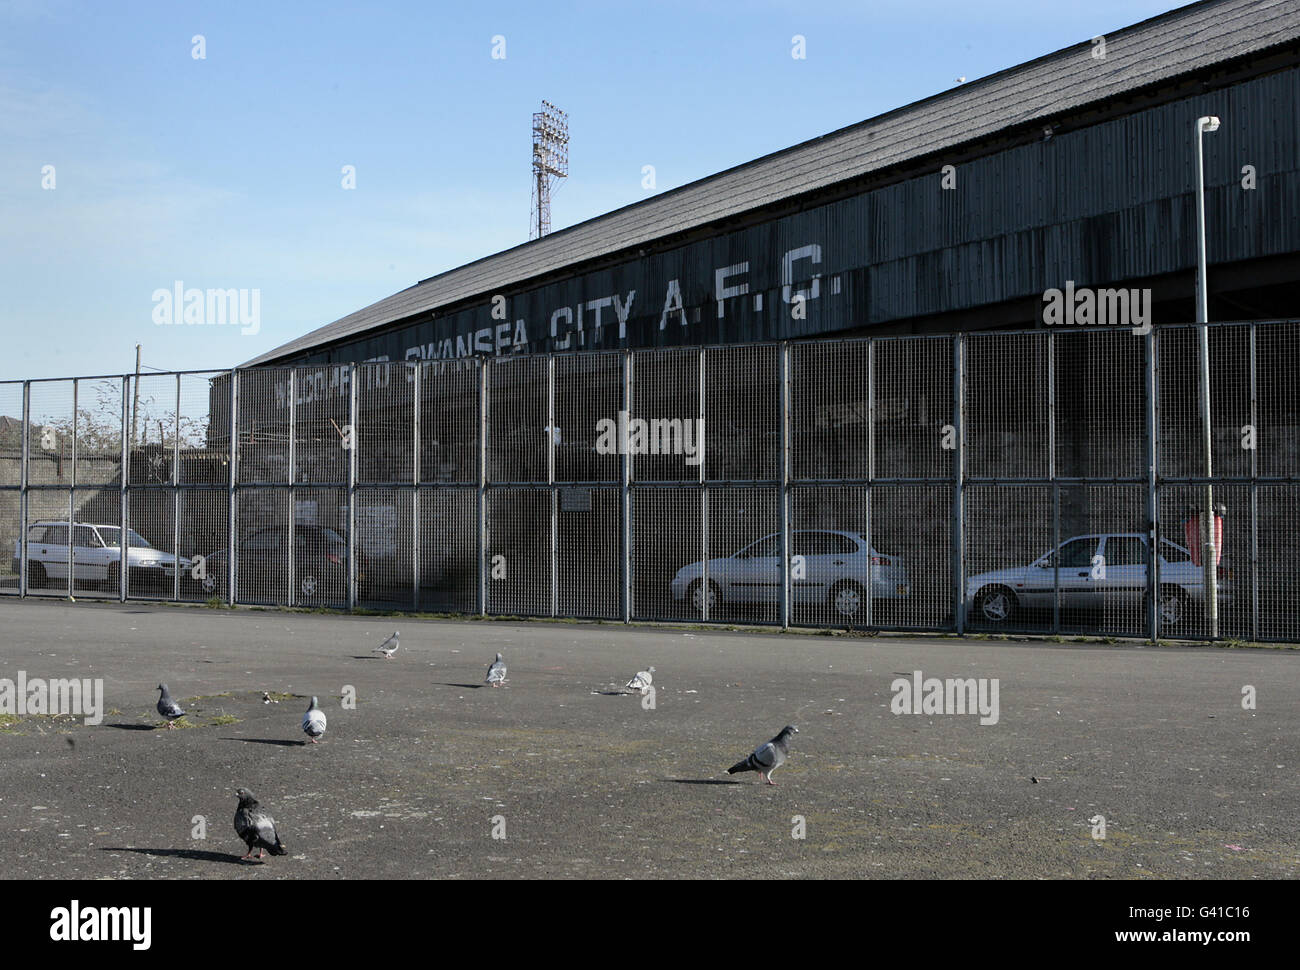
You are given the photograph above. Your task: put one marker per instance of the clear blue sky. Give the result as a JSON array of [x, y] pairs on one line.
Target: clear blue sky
[[226, 171]]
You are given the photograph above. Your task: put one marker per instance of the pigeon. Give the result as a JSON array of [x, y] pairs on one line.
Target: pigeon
[[167, 707], [388, 647], [767, 757], [313, 722], [642, 680], [496, 674], [255, 827]]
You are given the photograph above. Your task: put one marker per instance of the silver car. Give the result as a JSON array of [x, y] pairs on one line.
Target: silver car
[[1105, 570], [96, 556], [828, 566]]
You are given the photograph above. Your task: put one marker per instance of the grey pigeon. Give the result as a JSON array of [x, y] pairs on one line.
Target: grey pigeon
[[496, 674], [642, 680], [255, 827], [767, 757], [388, 647], [313, 722], [167, 707]]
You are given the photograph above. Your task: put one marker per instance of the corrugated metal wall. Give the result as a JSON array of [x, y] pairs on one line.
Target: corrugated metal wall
[[1108, 203]]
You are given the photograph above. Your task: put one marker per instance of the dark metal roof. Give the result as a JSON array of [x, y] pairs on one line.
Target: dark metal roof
[[1177, 43]]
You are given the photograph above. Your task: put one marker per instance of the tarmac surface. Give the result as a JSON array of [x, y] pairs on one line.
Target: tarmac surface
[[430, 768]]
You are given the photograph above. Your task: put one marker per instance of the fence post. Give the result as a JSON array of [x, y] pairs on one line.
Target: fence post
[[72, 505], [415, 487], [353, 372], [176, 496], [482, 483], [1051, 477], [958, 499], [783, 509], [628, 377], [293, 490], [1254, 496], [232, 494], [1153, 494], [24, 477], [1209, 552], [704, 499], [871, 473], [122, 563], [550, 484]]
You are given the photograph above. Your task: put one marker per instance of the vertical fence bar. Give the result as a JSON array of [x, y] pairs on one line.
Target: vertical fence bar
[[1254, 494], [550, 482], [704, 499], [292, 530], [176, 496], [353, 371], [1152, 618], [482, 484], [1209, 553], [125, 479], [783, 510], [958, 498], [72, 499], [24, 480], [871, 475], [1051, 477], [628, 378], [232, 494], [415, 489]]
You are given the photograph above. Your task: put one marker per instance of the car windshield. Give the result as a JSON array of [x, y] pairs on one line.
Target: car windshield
[[109, 534]]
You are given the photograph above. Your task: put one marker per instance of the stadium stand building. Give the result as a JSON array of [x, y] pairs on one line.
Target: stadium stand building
[[954, 213]]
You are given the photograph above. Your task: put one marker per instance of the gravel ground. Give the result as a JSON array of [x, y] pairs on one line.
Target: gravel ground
[[429, 765]]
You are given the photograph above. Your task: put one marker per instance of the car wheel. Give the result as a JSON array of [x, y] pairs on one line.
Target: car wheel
[[36, 575], [995, 604], [848, 599], [211, 583], [697, 597], [1171, 608]]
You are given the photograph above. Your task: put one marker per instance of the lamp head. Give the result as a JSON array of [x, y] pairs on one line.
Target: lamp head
[[1208, 123]]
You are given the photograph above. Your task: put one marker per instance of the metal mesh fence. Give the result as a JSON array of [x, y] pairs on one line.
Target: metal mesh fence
[[11, 483], [1099, 405], [1043, 482], [913, 416], [519, 551], [830, 410], [668, 574], [1008, 414], [448, 550]]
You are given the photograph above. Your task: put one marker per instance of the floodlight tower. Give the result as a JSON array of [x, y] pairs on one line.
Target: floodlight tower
[[550, 162]]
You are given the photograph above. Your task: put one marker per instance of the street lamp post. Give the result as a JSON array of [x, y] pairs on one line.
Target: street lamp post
[[1209, 556]]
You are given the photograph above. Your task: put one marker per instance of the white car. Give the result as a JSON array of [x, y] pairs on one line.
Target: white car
[[828, 566], [96, 557], [1105, 570]]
